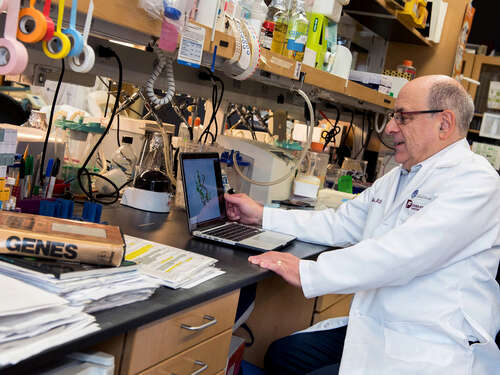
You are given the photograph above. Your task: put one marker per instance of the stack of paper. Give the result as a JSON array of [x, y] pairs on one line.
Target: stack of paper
[[175, 268], [92, 289], [32, 320]]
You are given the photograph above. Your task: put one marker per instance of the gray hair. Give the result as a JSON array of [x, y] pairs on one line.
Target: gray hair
[[452, 96]]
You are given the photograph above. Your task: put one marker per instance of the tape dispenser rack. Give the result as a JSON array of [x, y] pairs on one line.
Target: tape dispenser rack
[[32, 25]]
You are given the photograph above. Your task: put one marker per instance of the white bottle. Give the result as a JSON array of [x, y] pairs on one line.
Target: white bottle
[[330, 8]]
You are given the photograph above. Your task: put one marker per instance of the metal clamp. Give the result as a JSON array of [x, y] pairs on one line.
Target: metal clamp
[[211, 322]]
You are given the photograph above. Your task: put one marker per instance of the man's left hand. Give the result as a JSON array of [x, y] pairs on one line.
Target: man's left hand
[[284, 264]]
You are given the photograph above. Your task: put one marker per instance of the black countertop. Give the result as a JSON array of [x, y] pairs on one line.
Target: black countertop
[[170, 229]]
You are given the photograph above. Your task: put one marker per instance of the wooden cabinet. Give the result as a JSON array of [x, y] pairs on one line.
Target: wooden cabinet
[[280, 310], [154, 343], [331, 306], [207, 358]]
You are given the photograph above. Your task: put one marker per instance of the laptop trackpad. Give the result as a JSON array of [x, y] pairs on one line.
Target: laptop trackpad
[[267, 240]]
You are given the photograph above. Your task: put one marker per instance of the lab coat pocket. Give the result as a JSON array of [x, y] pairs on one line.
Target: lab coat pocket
[[410, 354]]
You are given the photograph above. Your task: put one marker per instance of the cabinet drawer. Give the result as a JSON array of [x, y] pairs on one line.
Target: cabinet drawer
[[339, 309], [324, 302], [157, 341], [210, 355]]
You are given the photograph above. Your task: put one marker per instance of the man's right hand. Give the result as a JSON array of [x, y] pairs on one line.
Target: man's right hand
[[242, 208]]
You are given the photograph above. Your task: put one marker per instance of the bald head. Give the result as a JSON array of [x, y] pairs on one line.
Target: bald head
[[444, 92]]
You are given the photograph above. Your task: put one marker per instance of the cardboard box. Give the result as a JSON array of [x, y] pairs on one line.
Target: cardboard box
[[52, 238]]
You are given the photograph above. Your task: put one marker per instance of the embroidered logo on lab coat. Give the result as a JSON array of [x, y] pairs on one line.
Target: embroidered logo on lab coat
[[377, 200], [418, 201]]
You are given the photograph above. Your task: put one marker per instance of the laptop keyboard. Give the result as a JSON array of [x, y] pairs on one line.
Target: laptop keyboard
[[233, 232]]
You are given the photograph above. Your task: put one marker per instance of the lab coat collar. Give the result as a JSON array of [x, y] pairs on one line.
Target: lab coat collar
[[448, 157]]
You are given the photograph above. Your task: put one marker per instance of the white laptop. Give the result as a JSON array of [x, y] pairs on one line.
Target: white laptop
[[206, 207]]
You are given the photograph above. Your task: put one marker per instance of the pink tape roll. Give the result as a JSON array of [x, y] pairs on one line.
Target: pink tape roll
[[13, 54]]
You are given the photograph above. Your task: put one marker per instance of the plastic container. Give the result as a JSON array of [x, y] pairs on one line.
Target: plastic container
[[124, 157], [244, 11], [330, 8], [259, 13], [315, 164], [407, 67], [278, 15], [296, 36]]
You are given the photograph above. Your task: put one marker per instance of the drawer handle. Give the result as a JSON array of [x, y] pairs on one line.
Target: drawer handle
[[211, 322], [203, 365]]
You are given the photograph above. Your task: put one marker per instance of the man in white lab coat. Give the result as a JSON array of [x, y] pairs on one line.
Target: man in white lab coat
[[422, 248]]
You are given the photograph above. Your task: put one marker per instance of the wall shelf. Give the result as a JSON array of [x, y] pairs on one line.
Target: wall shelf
[[280, 71], [380, 18]]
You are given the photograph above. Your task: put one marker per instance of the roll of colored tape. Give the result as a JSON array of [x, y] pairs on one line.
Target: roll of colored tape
[[76, 41], [73, 34], [59, 45], [51, 27], [85, 61], [13, 54], [32, 24]]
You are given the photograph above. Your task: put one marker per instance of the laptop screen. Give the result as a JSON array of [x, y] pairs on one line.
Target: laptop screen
[[203, 189]]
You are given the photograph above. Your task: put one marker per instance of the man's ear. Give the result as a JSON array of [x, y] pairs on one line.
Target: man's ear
[[447, 125]]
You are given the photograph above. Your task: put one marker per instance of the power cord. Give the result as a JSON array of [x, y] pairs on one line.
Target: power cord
[[364, 144], [49, 126], [118, 130], [206, 74], [102, 52], [334, 131]]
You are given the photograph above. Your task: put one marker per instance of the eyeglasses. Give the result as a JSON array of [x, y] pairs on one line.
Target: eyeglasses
[[401, 117]]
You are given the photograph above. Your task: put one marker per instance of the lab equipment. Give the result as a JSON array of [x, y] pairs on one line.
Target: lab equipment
[[277, 162], [306, 186], [124, 157], [123, 162], [152, 188]]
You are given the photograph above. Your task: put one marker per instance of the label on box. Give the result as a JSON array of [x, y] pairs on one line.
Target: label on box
[[191, 46]]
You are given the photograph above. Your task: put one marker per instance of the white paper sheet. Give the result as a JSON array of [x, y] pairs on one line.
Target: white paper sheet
[[18, 297], [173, 266]]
